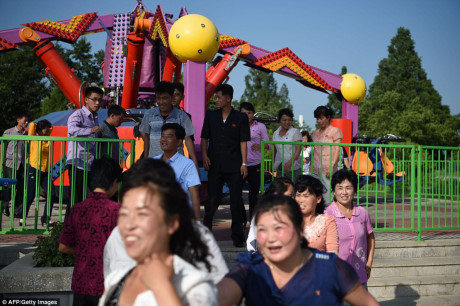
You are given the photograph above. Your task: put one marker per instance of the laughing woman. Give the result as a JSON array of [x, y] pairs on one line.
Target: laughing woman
[[286, 271], [156, 227], [319, 229]]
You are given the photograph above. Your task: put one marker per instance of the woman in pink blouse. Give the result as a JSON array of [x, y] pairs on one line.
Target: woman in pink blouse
[[320, 230], [325, 158], [356, 235]]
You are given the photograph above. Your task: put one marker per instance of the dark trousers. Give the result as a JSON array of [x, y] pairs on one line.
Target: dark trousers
[[254, 187], [78, 176], [85, 300], [234, 181], [18, 197], [42, 178]]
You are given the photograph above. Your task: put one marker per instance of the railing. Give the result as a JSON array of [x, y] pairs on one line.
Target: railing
[[404, 187], [439, 187], [54, 178]]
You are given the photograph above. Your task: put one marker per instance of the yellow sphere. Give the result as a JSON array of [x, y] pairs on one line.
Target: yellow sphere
[[353, 88], [194, 37]]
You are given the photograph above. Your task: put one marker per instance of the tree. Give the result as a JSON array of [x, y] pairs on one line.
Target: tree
[[403, 101], [22, 86], [55, 102], [262, 91], [87, 65], [334, 101]]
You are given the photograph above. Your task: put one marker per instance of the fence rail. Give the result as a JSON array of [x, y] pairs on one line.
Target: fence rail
[[404, 187], [43, 169]]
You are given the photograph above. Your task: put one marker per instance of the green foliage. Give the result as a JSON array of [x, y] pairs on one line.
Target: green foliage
[[403, 101], [87, 65], [262, 91], [54, 102], [47, 253], [212, 103], [22, 86], [334, 101]]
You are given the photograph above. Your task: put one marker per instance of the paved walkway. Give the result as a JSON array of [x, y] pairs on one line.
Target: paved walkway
[[221, 228]]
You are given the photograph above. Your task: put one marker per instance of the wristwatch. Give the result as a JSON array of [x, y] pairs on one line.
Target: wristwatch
[[243, 164]]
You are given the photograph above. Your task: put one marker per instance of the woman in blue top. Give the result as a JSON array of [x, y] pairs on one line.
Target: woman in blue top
[[286, 271]]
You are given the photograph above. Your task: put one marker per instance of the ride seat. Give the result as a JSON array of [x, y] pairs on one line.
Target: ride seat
[[388, 166], [362, 164]]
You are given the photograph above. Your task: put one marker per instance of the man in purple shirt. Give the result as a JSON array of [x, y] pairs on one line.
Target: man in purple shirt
[[87, 229], [258, 133], [80, 155]]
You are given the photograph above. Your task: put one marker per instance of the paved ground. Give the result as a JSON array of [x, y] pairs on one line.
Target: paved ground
[[222, 222]]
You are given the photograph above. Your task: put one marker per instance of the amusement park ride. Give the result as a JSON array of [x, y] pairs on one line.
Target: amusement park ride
[[146, 47]]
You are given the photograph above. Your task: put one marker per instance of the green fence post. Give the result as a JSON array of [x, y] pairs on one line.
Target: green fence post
[[262, 167], [419, 191]]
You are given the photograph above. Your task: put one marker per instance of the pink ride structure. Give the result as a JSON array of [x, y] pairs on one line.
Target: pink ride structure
[[137, 56]]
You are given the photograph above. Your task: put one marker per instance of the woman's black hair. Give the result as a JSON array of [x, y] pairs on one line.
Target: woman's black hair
[[313, 186], [275, 203], [278, 186], [159, 179], [285, 111], [325, 111], [342, 175]]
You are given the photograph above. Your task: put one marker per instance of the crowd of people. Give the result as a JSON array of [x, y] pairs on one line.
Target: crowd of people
[[153, 248]]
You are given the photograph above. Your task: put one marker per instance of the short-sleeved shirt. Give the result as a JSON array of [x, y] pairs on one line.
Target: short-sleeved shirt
[[353, 237], [330, 134], [186, 173], [323, 280], [14, 146], [291, 135], [80, 124], [225, 139], [322, 234], [87, 228], [153, 121], [258, 133]]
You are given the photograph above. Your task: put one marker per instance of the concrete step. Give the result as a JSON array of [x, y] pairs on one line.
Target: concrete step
[[414, 286], [440, 300], [390, 267], [230, 252], [10, 252], [414, 249]]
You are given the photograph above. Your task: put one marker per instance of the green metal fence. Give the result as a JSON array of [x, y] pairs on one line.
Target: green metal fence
[[404, 187], [439, 187], [54, 179]]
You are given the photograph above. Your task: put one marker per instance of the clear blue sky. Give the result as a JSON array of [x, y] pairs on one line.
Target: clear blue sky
[[324, 34]]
